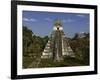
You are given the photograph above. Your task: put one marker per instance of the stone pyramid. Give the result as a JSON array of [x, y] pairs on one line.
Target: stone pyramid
[[57, 46]]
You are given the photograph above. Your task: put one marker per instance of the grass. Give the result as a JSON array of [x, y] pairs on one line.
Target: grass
[[27, 61], [68, 61]]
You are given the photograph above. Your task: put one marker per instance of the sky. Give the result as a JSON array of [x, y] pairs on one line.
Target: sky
[[41, 23]]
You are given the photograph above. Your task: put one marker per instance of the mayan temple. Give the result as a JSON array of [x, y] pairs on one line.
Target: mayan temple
[[57, 46]]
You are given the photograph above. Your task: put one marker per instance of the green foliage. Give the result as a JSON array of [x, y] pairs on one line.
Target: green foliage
[[32, 46], [27, 60], [81, 47], [68, 61]]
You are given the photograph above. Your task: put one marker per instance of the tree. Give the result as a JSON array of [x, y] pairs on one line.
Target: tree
[[27, 39], [80, 47]]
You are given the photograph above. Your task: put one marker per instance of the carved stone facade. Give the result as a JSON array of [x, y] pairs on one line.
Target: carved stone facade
[[57, 46]]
